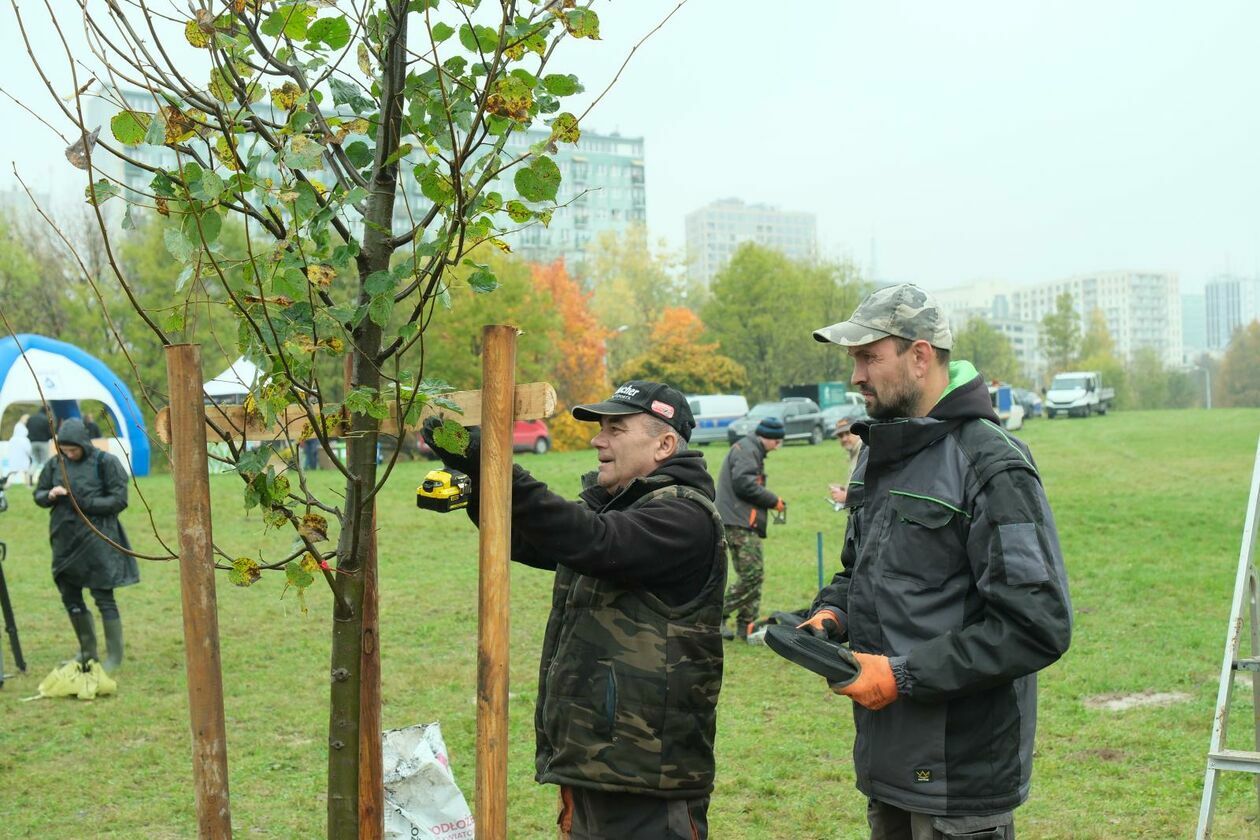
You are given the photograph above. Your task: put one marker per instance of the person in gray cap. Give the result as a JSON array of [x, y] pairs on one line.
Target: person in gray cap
[[631, 667], [743, 501], [952, 592]]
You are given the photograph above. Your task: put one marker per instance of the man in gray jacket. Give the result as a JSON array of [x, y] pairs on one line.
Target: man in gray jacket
[[742, 499], [952, 593]]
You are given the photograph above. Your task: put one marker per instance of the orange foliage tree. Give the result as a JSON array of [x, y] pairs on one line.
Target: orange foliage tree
[[679, 356], [581, 375]]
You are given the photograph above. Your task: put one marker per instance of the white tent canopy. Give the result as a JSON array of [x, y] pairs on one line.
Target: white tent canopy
[[241, 377]]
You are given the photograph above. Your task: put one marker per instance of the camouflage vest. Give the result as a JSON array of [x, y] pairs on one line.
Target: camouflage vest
[[628, 685]]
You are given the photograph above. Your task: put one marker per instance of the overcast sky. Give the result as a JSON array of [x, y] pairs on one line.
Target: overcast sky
[[1014, 141]]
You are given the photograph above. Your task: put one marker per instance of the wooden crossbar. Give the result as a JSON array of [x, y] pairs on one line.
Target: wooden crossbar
[[534, 401]]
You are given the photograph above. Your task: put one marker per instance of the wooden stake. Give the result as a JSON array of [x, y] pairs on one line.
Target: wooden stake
[[371, 769], [196, 574], [495, 493]]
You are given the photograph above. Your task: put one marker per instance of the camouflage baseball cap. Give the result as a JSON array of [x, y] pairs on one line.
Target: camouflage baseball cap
[[905, 311]]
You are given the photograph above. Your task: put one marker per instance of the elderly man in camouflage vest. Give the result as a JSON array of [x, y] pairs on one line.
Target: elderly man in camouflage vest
[[952, 592], [632, 656]]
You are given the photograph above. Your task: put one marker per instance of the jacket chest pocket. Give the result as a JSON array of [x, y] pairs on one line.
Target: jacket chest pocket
[[924, 541]]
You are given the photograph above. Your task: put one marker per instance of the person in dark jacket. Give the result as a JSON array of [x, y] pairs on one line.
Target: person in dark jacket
[[632, 656], [952, 592], [39, 431], [85, 490], [743, 501]]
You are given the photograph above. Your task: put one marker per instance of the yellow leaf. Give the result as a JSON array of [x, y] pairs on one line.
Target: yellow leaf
[[284, 98], [320, 275]]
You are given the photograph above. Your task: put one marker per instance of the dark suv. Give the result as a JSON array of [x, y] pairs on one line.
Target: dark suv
[[800, 415]]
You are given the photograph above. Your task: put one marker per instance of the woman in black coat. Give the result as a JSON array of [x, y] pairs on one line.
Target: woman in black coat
[[83, 482]]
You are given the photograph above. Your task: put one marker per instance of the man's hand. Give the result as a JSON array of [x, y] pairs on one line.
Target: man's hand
[[875, 686], [781, 506], [469, 463], [839, 493], [825, 624], [57, 492]]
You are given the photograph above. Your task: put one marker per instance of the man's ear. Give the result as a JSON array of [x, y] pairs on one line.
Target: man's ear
[[666, 446], [924, 357]]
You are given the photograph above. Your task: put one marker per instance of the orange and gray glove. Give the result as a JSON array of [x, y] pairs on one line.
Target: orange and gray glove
[[875, 686], [825, 624]]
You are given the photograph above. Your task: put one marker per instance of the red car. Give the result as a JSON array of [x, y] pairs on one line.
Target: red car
[[527, 436]]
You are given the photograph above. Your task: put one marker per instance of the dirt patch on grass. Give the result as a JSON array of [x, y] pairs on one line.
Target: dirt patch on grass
[[1124, 702], [1105, 754]]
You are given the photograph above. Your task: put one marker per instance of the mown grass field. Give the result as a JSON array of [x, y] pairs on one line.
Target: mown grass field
[[1149, 505]]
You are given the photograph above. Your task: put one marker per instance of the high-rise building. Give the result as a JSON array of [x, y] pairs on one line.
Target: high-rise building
[[1141, 308], [991, 301], [1193, 326], [1230, 302], [601, 189], [717, 229]]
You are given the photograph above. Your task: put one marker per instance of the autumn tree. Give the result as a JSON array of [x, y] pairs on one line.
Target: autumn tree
[[1061, 334], [680, 356], [359, 149], [987, 348], [633, 280], [1239, 375], [581, 374], [764, 308]]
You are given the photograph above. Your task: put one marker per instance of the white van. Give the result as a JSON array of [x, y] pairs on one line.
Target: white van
[[713, 413]]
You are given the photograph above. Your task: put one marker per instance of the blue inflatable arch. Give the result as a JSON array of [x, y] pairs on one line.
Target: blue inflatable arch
[[64, 375]]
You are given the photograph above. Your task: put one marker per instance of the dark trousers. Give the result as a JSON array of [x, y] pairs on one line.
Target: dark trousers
[[599, 815], [72, 597], [889, 822]]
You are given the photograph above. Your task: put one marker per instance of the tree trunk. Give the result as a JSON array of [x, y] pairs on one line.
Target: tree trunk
[[357, 547]]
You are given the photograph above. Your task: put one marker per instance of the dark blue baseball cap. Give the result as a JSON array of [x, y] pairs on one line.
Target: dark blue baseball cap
[[640, 397]]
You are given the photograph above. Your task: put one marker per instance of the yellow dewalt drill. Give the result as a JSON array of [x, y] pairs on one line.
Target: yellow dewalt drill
[[444, 490]]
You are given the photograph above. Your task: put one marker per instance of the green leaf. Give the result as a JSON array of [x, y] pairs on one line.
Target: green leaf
[[155, 134], [435, 187], [365, 401], [207, 230], [100, 191], [177, 245], [482, 281], [539, 181], [582, 23], [379, 282], [129, 127], [451, 436], [208, 188], [174, 320], [296, 576], [304, 153], [333, 31], [442, 31], [401, 152], [359, 153], [478, 38], [379, 310], [561, 84], [348, 93], [244, 571], [292, 20]]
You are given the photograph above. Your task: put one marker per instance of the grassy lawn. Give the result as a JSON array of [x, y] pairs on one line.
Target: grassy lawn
[[1149, 506]]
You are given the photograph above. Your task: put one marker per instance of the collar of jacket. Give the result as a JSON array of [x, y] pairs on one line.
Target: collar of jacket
[[685, 468], [966, 398]]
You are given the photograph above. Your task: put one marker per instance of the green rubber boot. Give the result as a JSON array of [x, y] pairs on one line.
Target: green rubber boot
[[113, 644], [85, 629]]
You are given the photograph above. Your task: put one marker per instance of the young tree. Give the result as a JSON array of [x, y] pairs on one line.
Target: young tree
[[1147, 380], [1239, 374], [358, 148], [1061, 334], [1098, 352], [987, 348], [679, 355]]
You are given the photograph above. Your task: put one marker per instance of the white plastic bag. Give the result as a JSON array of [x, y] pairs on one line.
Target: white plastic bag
[[421, 797]]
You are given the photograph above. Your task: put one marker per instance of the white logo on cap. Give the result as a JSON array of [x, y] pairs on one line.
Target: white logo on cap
[[664, 409], [626, 391]]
